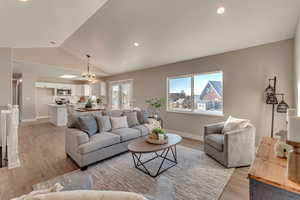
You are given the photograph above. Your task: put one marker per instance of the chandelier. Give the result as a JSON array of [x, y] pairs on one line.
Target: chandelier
[[88, 75]]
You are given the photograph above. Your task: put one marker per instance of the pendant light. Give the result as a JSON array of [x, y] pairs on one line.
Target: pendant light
[[91, 77]]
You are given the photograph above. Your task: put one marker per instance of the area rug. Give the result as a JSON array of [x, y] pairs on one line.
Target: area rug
[[195, 177]]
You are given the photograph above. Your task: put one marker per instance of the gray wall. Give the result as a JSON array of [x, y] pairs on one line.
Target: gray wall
[[297, 67], [245, 79], [5, 76]]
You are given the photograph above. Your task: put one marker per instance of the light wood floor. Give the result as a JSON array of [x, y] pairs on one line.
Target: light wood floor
[[43, 157]]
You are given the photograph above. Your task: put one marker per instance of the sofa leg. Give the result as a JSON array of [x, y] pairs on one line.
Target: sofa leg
[[83, 168]]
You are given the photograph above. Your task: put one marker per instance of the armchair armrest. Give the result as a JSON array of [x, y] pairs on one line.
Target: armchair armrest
[[240, 146], [213, 128]]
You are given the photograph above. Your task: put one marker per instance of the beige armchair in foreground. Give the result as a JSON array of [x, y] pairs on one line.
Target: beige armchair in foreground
[[234, 148]]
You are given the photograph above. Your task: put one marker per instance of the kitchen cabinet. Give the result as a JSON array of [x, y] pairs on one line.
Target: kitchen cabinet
[[58, 114]]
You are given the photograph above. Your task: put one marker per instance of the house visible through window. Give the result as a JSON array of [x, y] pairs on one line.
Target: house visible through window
[[120, 93], [199, 93]]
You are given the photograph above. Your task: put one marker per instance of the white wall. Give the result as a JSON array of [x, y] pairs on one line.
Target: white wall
[[5, 76], [297, 67], [28, 97]]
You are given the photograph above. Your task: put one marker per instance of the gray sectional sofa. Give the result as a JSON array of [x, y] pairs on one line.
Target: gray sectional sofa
[[85, 149]]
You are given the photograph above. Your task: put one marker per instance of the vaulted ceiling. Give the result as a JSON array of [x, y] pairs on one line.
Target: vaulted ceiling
[[167, 30], [174, 30], [35, 23]]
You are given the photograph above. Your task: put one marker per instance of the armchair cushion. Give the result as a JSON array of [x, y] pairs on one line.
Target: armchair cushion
[[216, 141], [213, 128]]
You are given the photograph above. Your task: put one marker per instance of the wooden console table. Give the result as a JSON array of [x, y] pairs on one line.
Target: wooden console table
[[268, 175]]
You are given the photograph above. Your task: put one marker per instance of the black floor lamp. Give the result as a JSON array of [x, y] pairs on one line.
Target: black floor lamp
[[271, 98]]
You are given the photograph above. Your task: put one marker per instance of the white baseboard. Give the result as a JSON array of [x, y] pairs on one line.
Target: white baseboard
[[186, 135], [42, 117], [29, 120]]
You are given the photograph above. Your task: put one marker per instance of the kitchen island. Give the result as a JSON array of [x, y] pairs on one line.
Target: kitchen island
[[58, 114]]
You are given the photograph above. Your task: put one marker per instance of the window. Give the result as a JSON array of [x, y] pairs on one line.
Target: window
[[198, 93], [120, 93]]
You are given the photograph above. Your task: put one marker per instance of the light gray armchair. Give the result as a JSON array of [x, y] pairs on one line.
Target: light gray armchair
[[232, 149]]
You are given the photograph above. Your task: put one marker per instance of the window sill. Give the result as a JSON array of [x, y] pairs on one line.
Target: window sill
[[196, 113]]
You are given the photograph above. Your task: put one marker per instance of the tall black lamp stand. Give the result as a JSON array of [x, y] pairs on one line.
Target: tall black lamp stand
[[271, 98]]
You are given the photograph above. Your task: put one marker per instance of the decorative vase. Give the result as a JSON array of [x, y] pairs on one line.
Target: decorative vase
[[294, 165], [161, 137]]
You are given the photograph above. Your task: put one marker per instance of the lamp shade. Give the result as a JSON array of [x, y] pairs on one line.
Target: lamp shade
[[282, 107], [269, 91], [272, 99]]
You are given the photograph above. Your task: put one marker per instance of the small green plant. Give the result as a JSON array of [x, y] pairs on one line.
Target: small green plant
[[156, 102], [99, 100], [89, 103], [158, 131]]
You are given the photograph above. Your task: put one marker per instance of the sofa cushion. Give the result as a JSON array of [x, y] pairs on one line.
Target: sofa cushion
[[127, 133], [74, 115], [143, 116], [115, 113], [131, 118], [143, 129], [104, 124], [88, 124], [118, 122], [99, 141], [216, 141]]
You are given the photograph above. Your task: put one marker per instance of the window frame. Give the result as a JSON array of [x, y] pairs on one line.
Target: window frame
[[120, 82], [192, 111]]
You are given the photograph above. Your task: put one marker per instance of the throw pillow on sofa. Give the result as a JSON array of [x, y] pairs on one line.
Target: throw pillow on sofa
[[234, 124], [132, 119], [104, 124], [143, 116], [119, 122], [88, 124]]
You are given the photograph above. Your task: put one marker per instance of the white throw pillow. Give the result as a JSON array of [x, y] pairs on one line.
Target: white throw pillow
[[234, 124], [119, 122]]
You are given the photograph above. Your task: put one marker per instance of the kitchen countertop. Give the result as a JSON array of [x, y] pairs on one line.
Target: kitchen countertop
[[56, 105]]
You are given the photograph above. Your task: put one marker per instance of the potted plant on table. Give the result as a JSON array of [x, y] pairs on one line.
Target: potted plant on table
[[89, 103], [158, 134]]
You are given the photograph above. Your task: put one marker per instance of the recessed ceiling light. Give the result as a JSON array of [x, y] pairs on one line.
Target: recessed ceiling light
[[221, 10], [23, 0], [136, 44], [67, 76]]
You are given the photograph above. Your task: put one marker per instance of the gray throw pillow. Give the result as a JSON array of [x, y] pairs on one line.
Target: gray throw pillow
[[104, 123], [132, 119], [88, 124], [143, 116]]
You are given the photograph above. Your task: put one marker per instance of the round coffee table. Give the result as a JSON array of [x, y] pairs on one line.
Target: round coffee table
[[141, 146]]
